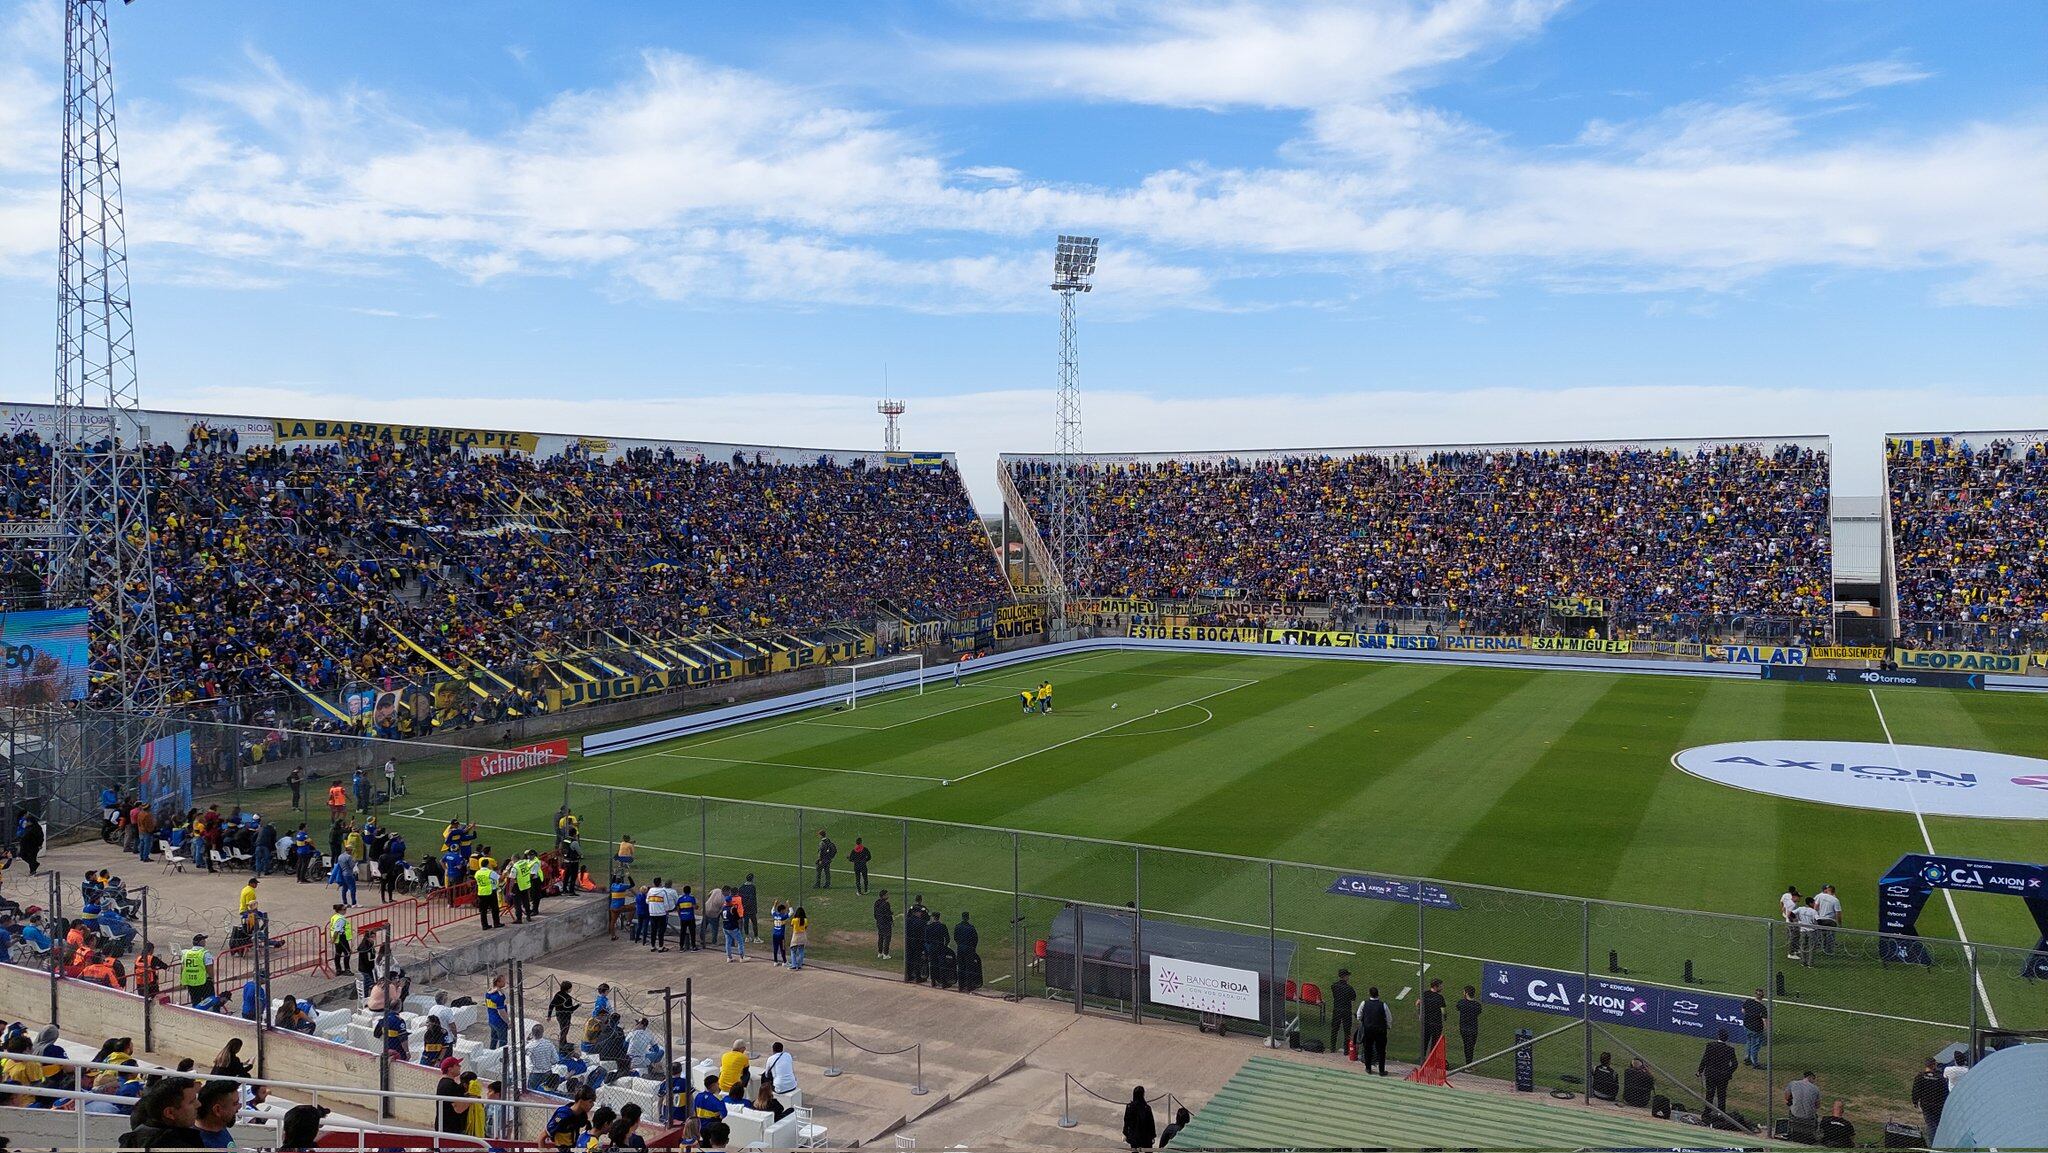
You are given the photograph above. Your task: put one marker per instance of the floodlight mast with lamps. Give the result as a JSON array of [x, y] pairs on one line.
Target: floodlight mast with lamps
[[1073, 263]]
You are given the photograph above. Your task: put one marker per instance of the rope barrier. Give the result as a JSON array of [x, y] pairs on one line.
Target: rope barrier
[[875, 1052]]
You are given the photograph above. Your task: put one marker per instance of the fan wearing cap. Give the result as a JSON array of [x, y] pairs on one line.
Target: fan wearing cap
[[455, 1100]]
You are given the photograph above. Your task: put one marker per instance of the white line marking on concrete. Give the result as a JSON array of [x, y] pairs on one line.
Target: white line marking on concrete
[[1990, 1014]]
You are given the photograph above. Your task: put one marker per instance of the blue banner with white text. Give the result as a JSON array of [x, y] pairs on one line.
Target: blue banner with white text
[[1640, 1006], [1389, 889]]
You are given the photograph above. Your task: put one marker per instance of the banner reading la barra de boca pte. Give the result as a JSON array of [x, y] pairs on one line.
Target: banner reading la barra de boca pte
[[1959, 662], [524, 757], [483, 438]]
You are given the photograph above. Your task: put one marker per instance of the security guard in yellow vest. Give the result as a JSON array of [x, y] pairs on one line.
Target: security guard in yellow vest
[[525, 875], [487, 885], [195, 971], [341, 933]]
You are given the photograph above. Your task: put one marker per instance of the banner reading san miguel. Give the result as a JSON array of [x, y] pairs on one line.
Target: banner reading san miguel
[[1484, 644], [1396, 641], [1312, 638], [1846, 652], [1234, 635], [1577, 645], [482, 438], [1959, 662], [1019, 621], [1757, 654]]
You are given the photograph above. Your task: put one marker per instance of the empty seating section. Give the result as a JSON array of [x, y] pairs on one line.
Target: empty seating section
[[1679, 540]]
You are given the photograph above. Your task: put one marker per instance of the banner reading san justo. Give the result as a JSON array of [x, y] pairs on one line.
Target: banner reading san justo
[[497, 764], [1667, 1010]]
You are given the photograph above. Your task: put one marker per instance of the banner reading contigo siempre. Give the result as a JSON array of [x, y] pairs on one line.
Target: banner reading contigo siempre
[[1205, 988], [497, 764]]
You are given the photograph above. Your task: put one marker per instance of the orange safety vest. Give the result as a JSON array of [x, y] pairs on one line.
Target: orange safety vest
[[336, 795]]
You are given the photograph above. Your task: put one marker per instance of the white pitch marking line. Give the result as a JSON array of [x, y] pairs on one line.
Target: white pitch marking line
[[1207, 716], [1099, 732], [910, 721], [1403, 994], [1339, 952], [1990, 1014]]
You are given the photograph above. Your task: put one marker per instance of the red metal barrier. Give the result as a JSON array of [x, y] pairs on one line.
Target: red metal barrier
[[441, 908], [302, 950]]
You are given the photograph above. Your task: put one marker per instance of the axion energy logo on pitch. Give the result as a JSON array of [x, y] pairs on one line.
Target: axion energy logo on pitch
[[1867, 775]]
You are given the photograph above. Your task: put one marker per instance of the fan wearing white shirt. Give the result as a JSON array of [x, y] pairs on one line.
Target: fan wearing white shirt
[[1806, 926], [661, 900], [541, 1056], [781, 1071], [1829, 906]]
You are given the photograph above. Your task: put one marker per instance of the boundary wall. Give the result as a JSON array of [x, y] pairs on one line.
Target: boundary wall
[[637, 736]]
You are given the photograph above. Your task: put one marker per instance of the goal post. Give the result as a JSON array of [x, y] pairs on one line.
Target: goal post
[[875, 677]]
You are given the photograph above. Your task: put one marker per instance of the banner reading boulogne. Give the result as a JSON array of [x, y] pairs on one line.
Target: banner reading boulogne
[[43, 657], [484, 438], [499, 763], [1205, 988]]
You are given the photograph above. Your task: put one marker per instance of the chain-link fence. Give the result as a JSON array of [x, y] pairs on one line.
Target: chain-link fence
[[1087, 922]]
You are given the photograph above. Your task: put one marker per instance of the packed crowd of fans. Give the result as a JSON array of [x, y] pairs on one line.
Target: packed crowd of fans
[[1677, 540], [304, 560], [1970, 541]]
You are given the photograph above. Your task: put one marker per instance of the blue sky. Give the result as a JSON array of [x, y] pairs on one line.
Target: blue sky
[[1323, 223]]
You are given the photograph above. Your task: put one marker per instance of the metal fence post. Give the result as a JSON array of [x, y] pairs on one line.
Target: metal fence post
[[148, 1002], [799, 855], [1017, 968], [1970, 991], [1585, 998], [703, 846], [1273, 987], [1138, 935], [1770, 1025], [1421, 947], [611, 828], [56, 920]]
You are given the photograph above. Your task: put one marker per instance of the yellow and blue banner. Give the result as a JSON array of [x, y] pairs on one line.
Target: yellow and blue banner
[[1962, 662]]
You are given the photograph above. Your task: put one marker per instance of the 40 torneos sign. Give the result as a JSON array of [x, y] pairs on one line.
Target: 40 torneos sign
[[1866, 775]]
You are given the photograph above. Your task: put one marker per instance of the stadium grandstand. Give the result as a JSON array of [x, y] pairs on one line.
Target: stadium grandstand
[[297, 559], [1969, 538], [1681, 540]]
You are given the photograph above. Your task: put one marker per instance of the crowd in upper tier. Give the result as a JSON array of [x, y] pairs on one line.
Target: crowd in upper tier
[[304, 560], [1676, 542], [1970, 541]]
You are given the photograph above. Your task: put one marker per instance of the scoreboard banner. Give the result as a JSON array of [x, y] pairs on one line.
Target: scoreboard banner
[[1958, 662], [1639, 1006], [46, 656]]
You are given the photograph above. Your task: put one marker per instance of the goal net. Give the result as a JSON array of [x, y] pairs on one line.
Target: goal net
[[868, 678]]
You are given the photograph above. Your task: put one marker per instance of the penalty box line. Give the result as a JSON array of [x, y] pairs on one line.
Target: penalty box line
[[1133, 719], [1406, 950]]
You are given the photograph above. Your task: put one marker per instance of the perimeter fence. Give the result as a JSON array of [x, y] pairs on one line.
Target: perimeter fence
[[1096, 923]]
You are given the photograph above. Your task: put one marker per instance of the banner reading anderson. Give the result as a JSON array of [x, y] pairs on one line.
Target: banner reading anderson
[[483, 438]]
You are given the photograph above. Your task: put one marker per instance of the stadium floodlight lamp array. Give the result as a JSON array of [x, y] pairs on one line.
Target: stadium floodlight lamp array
[[1073, 262]]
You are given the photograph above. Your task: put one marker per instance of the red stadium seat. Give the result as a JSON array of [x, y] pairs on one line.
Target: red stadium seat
[[1290, 989], [1312, 994]]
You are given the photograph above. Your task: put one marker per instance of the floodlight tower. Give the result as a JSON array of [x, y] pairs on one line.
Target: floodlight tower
[[100, 485], [1073, 263], [892, 437]]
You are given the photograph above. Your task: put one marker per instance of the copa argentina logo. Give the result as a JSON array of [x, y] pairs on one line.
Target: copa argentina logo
[[1871, 775]]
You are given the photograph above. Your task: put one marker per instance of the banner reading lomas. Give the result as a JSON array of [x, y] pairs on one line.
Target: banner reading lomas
[[482, 438]]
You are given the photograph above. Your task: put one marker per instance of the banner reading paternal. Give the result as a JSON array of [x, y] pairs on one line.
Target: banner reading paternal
[[1205, 988], [498, 764]]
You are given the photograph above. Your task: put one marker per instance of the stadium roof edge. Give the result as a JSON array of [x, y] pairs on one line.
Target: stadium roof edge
[[2037, 433], [8, 409], [1821, 441]]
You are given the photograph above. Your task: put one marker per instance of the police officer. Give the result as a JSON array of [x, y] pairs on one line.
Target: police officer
[[341, 934], [487, 884], [913, 939]]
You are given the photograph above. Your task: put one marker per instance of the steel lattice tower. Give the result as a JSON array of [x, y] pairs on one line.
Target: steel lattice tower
[[1073, 263], [100, 489]]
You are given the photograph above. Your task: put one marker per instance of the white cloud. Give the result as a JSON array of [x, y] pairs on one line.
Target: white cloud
[[1843, 80]]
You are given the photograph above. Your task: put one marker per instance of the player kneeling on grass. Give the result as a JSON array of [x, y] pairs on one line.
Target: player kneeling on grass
[[1027, 696]]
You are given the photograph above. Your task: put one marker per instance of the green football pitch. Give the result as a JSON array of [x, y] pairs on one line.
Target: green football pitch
[[1541, 782]]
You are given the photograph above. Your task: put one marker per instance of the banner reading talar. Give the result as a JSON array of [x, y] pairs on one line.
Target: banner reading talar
[[1205, 988]]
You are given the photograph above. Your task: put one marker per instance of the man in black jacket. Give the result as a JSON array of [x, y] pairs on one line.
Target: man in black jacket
[[1139, 1125], [826, 852], [166, 1117], [967, 944], [1717, 1068], [936, 942], [860, 856], [885, 924], [913, 939], [1374, 1019], [1343, 1001], [1930, 1093]]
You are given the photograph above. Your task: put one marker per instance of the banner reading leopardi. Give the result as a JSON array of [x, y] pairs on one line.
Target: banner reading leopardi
[[1959, 662], [490, 439], [1205, 988]]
